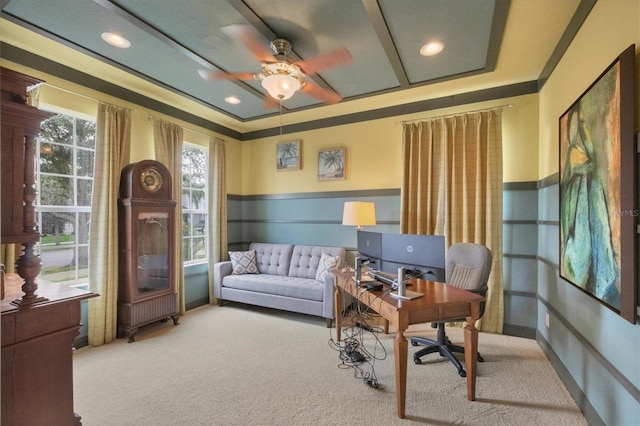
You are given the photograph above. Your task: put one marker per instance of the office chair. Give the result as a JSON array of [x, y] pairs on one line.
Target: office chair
[[467, 267]]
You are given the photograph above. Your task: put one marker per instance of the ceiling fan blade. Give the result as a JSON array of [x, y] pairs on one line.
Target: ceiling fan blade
[[327, 96], [324, 61], [217, 75], [252, 39]]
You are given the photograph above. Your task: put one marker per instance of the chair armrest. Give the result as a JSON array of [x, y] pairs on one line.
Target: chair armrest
[[220, 270]]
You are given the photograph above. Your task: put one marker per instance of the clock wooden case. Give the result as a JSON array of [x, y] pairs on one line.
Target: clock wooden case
[[146, 215]]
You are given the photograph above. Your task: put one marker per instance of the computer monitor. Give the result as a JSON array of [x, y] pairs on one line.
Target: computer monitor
[[423, 253], [370, 245]]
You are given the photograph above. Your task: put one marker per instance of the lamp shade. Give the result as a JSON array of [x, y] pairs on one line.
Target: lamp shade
[[359, 214], [280, 86]]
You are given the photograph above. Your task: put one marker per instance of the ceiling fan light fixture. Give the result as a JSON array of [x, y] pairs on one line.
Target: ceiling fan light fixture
[[431, 48], [281, 86]]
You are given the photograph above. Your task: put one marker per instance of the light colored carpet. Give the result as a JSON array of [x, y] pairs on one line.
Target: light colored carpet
[[241, 365]]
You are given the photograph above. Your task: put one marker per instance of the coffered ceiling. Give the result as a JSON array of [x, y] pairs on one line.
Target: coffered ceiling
[[487, 43]]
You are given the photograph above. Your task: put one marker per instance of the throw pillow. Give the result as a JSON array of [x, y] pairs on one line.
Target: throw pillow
[[327, 263], [243, 262]]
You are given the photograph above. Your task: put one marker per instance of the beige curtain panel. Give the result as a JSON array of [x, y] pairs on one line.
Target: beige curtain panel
[[168, 139], [452, 186], [113, 143], [217, 208]]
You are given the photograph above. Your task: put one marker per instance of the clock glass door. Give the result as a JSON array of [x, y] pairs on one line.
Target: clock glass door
[[153, 252]]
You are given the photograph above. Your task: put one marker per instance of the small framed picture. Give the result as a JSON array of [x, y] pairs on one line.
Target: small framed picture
[[288, 156], [331, 164]]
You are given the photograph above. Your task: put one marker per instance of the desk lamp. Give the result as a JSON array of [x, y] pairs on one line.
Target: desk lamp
[[359, 214]]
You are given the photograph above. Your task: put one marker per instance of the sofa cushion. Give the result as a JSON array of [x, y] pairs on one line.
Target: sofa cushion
[[272, 259], [327, 264], [243, 262], [305, 259], [297, 288]]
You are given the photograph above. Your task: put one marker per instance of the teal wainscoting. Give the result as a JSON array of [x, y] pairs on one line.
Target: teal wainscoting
[[520, 247], [593, 349]]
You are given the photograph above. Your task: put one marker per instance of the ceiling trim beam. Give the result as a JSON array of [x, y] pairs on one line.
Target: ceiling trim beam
[[498, 24], [578, 18], [382, 31]]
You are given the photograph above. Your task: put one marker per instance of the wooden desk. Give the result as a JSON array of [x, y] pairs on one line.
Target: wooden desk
[[439, 303]]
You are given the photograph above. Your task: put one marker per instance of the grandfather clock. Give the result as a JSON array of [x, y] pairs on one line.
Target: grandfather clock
[[146, 215]]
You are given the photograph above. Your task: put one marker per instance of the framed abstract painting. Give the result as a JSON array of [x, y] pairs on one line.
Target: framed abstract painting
[[597, 190]]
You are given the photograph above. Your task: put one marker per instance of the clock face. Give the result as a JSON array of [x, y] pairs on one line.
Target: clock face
[[151, 180]]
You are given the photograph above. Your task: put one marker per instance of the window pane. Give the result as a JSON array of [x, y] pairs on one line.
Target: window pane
[[84, 192], [186, 225], [199, 248], [197, 198], [186, 199], [57, 228], [82, 236], [86, 133], [56, 159], [56, 191], [186, 249], [199, 223], [57, 129], [85, 163]]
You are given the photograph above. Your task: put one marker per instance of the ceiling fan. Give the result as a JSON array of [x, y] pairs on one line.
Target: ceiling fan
[[281, 76]]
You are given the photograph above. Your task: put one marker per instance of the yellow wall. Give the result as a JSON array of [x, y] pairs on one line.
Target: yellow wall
[[373, 152], [373, 148], [595, 47]]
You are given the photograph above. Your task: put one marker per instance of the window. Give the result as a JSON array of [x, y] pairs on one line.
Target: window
[[65, 152], [194, 203]]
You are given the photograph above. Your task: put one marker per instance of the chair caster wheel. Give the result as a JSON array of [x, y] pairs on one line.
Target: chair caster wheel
[[414, 343], [462, 373], [417, 361], [480, 359]]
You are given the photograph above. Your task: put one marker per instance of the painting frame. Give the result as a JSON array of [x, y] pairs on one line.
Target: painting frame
[[597, 185], [289, 156], [332, 164]]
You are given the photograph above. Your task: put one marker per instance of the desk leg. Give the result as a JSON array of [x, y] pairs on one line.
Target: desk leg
[[337, 306], [400, 345], [471, 356]]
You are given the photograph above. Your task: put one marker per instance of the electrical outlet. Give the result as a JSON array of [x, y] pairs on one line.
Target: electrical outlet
[[546, 319]]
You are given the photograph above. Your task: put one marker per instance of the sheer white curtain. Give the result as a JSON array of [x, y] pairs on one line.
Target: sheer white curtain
[[168, 140], [113, 142], [452, 186], [217, 208]]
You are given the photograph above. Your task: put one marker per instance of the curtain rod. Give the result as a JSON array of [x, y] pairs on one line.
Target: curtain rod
[[457, 113]]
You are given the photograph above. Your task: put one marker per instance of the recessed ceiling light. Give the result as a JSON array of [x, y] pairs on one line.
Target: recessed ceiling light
[[232, 100], [116, 40], [431, 48]]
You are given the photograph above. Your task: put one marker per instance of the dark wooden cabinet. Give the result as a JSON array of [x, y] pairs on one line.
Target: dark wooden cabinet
[[20, 126], [40, 320], [146, 216]]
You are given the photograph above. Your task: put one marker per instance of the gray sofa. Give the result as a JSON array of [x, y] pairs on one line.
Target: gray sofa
[[286, 279]]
